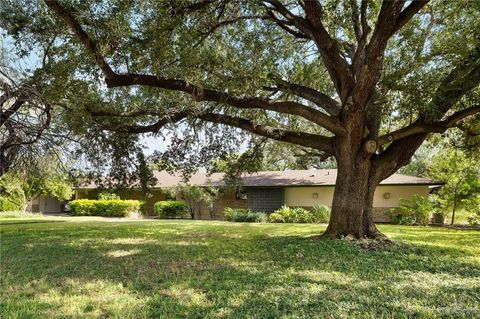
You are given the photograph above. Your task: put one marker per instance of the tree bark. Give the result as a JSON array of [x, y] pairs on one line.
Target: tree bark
[[454, 206], [352, 207]]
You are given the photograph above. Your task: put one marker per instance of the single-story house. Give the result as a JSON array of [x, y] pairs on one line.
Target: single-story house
[[268, 191]]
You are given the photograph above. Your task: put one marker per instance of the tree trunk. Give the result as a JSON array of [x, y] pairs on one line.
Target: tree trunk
[[352, 207], [454, 207], [352, 211]]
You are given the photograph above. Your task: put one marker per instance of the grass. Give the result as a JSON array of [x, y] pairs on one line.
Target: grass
[[85, 268], [19, 214]]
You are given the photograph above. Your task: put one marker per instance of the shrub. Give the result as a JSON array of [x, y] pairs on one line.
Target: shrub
[[415, 211], [170, 209], [108, 196], [244, 215], [474, 219], [473, 206], [7, 204], [321, 213], [107, 208], [292, 215], [12, 197]]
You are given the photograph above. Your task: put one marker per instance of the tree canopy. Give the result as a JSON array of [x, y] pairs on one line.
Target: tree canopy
[[363, 82]]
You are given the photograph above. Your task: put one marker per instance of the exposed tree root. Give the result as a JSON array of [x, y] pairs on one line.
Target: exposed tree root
[[374, 241]]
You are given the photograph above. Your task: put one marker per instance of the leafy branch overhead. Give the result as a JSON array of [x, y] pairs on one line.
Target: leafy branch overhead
[[363, 82], [353, 72]]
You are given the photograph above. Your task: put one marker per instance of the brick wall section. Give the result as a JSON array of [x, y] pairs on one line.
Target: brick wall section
[[225, 200], [263, 199], [379, 215]]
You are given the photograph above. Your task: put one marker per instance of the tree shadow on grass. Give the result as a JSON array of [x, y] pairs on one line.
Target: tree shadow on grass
[[202, 273], [20, 222]]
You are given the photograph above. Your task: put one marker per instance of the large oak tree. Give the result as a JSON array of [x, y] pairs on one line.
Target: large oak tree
[[363, 81]]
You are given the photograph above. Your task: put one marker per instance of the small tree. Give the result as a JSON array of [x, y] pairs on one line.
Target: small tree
[[460, 174], [145, 174], [198, 197], [46, 176], [12, 194]]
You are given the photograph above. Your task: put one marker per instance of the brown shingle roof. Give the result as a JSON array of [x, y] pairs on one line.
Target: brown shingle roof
[[320, 177]]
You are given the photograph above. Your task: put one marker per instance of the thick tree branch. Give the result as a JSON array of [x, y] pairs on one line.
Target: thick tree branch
[[396, 155], [408, 13], [286, 25], [315, 141], [461, 80], [356, 20], [320, 99], [198, 93], [91, 45], [390, 19], [336, 65], [301, 138], [328, 47], [359, 56], [422, 128], [5, 115]]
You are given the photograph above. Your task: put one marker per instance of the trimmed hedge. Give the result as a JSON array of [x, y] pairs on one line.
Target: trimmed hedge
[[244, 215], [170, 209], [105, 207]]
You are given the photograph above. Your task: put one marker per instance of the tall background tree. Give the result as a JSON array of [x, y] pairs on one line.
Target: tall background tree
[[363, 82], [453, 160]]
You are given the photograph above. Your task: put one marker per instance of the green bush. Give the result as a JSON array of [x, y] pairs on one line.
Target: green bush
[[244, 215], [7, 204], [12, 197], [415, 211], [321, 213], [170, 209], [472, 205], [105, 207], [108, 196], [292, 215], [474, 219]]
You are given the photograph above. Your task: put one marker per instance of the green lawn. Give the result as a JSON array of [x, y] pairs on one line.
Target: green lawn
[[200, 269]]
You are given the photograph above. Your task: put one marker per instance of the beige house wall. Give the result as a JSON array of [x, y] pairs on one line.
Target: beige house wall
[[293, 196], [396, 193], [304, 196], [384, 198]]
